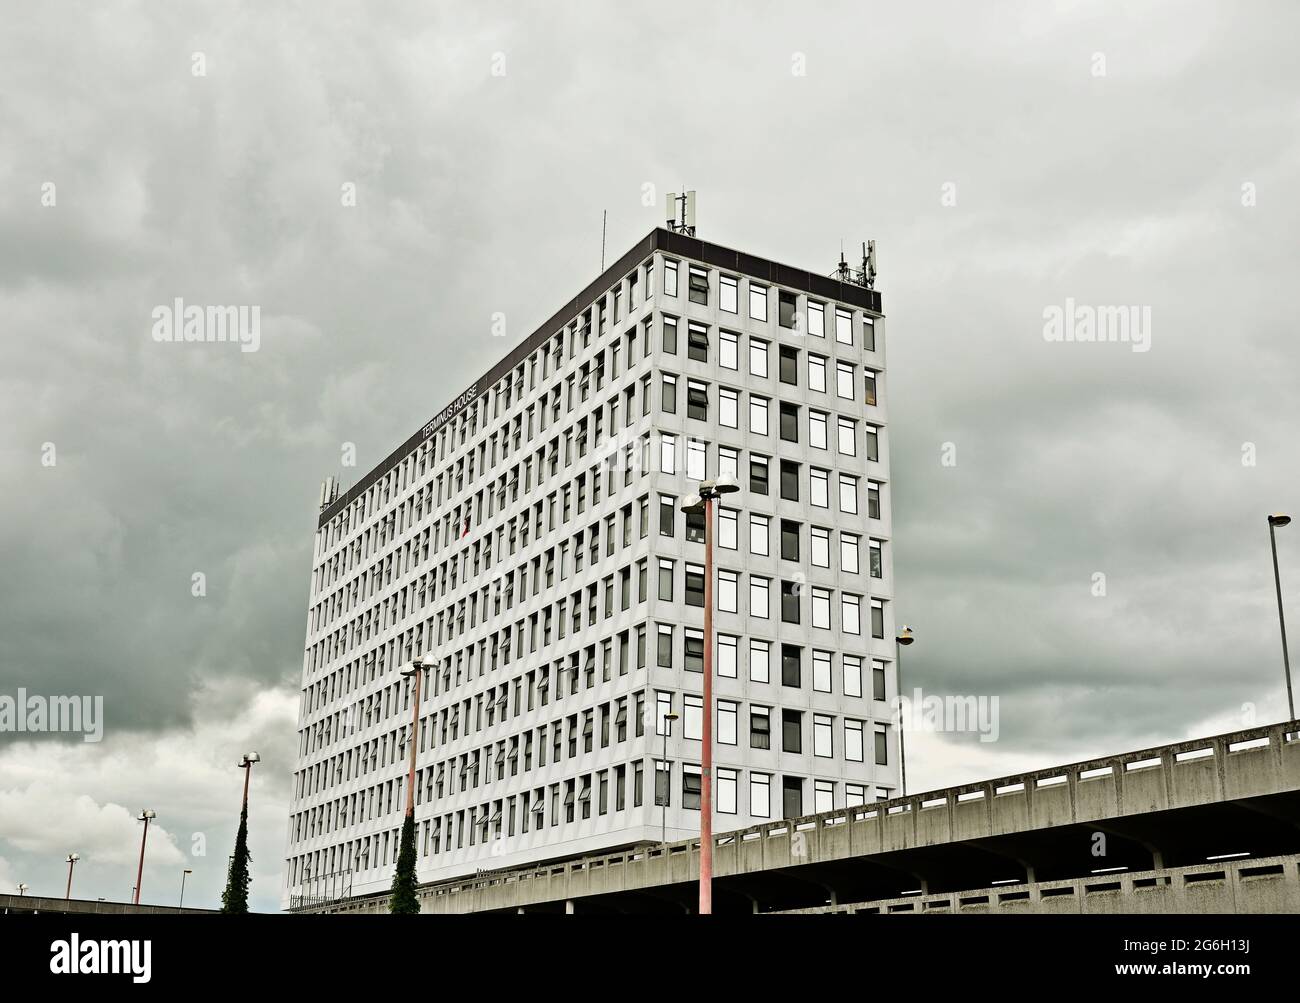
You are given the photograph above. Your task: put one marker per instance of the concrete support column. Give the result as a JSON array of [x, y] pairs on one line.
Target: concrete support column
[[568, 907]]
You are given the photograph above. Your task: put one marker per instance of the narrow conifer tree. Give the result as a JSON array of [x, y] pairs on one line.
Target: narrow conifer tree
[[235, 898], [404, 899]]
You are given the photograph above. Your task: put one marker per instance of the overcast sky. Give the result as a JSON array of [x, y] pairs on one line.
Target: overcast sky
[[1005, 157]]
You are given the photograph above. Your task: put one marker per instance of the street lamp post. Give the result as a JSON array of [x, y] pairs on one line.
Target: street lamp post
[[22, 888], [1274, 522], [417, 671], [185, 873], [903, 639], [72, 860], [710, 491], [669, 718], [145, 816]]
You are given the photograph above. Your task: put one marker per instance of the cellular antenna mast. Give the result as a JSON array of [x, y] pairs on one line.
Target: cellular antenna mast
[[685, 204]]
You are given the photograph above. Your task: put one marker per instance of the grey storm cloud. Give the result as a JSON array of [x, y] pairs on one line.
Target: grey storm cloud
[[999, 173]]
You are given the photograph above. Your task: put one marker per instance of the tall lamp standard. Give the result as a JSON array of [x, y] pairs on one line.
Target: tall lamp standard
[[184, 874], [417, 671], [710, 491], [1274, 522], [22, 888], [669, 718], [904, 638], [145, 816], [72, 860]]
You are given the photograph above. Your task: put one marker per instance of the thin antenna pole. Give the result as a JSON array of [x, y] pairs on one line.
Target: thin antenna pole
[[603, 213]]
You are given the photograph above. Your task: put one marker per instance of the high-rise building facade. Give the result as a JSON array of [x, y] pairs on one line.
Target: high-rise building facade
[[529, 545]]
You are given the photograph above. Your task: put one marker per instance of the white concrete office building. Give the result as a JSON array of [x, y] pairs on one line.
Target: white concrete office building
[[528, 543]]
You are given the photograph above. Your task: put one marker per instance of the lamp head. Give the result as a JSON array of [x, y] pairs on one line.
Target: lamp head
[[905, 635], [693, 504], [147, 814], [1279, 520], [250, 758], [73, 857], [725, 486]]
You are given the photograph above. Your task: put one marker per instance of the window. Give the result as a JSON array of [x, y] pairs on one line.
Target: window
[[855, 795], [817, 429], [758, 414], [853, 751], [790, 422], [876, 550], [665, 580], [789, 365], [760, 654], [760, 728], [868, 334], [695, 585], [667, 514], [822, 743], [821, 547], [693, 718], [697, 342], [663, 707], [789, 540], [727, 779], [791, 665], [789, 480], [729, 462], [728, 350], [758, 597], [695, 456], [760, 799], [663, 778], [728, 715], [727, 528], [844, 380], [822, 671], [849, 553], [818, 487], [787, 305], [878, 680], [871, 387], [789, 602], [873, 499], [667, 453], [728, 657], [816, 319], [758, 474], [669, 399], [757, 358], [727, 407], [791, 731], [728, 591], [873, 443], [758, 534], [670, 335], [757, 302], [670, 278], [848, 494], [821, 608], [697, 400], [816, 373], [851, 613], [699, 280], [882, 747], [823, 795], [843, 326], [694, 641], [848, 438], [727, 294], [877, 618], [664, 649]]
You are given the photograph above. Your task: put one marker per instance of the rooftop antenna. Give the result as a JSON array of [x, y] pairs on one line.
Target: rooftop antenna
[[603, 214], [867, 276], [842, 269], [686, 224]]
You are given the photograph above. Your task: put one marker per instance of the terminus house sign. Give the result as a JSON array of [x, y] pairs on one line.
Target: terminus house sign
[[450, 411]]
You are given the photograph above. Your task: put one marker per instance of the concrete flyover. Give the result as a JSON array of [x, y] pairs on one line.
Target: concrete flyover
[[29, 904], [1208, 806]]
